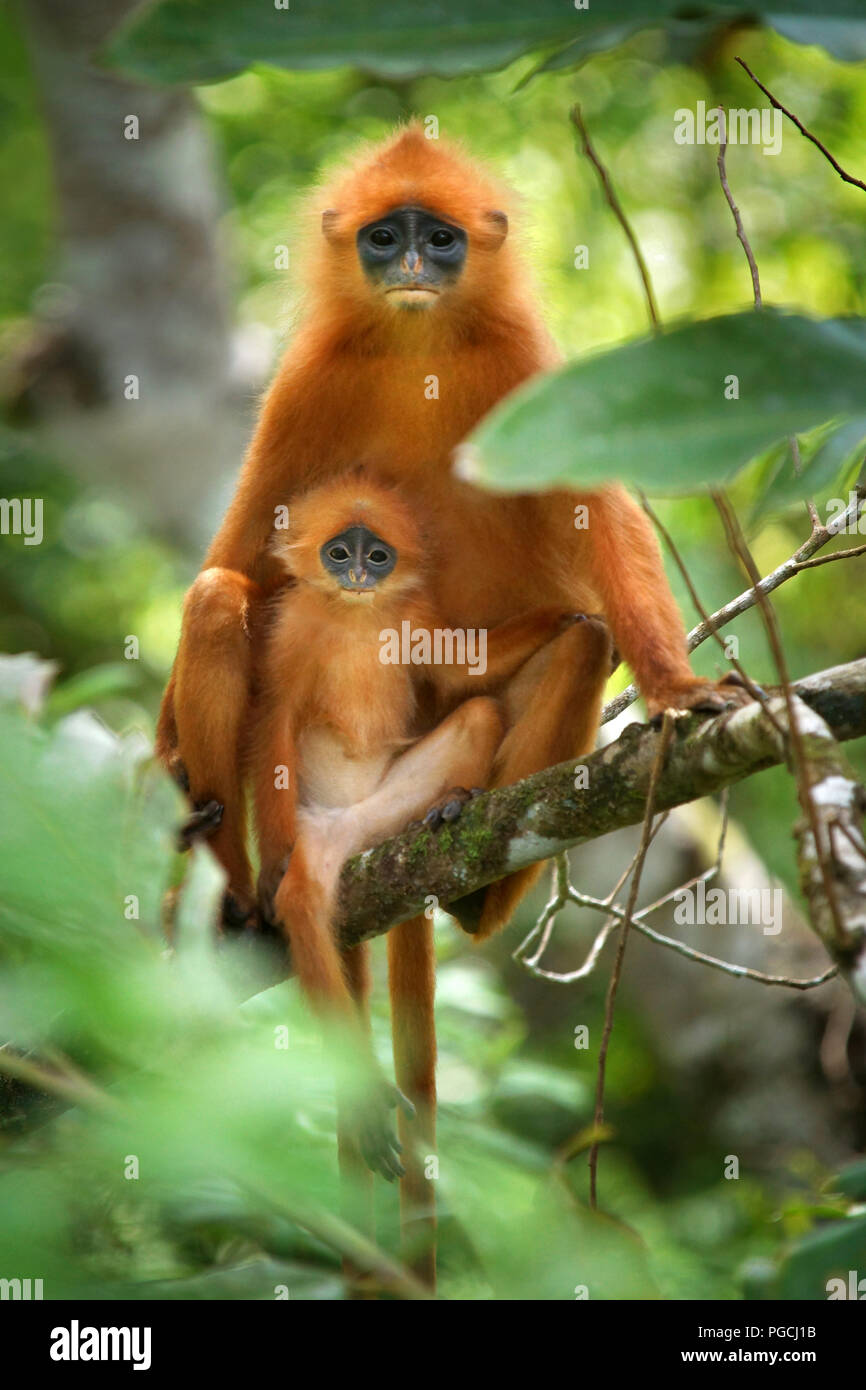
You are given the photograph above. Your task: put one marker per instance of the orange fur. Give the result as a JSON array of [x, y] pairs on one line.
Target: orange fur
[[336, 766], [352, 390], [332, 718]]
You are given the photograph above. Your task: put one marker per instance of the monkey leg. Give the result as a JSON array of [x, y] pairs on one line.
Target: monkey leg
[[456, 755], [460, 750], [210, 692], [411, 980], [553, 708]]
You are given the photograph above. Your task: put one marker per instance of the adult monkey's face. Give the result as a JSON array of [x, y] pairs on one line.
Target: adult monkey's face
[[411, 256]]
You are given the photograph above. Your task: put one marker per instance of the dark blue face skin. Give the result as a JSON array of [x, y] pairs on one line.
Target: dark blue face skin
[[357, 559], [411, 255]]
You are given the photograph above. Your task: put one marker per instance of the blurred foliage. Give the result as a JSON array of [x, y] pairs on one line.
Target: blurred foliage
[[180, 41], [28, 240], [96, 579], [198, 1157], [235, 1137]]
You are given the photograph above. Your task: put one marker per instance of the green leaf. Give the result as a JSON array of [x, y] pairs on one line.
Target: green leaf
[[82, 831], [25, 680], [827, 461], [829, 1253], [844, 37], [506, 1201], [851, 1181], [206, 40], [654, 412], [88, 687]]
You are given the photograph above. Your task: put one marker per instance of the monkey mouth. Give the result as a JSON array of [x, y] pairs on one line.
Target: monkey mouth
[[423, 290]]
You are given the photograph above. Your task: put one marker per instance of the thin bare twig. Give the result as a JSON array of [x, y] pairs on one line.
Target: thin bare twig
[[774, 101], [754, 690], [69, 1085], [544, 925], [743, 972], [738, 546], [818, 537], [618, 212], [646, 836], [814, 519], [592, 956], [566, 892], [828, 559], [738, 221], [858, 845]]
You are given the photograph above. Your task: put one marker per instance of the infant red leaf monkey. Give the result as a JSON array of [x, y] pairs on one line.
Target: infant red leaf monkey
[[334, 756], [337, 764]]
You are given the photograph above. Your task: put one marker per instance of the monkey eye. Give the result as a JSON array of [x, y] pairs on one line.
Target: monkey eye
[[442, 237], [338, 553], [378, 556], [382, 236]]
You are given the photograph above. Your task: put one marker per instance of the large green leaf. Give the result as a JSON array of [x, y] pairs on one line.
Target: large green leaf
[[842, 32], [824, 458], [655, 412], [828, 1253], [205, 40]]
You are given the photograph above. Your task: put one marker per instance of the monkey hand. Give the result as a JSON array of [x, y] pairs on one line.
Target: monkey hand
[[708, 697], [595, 620], [370, 1121], [202, 821], [557, 620]]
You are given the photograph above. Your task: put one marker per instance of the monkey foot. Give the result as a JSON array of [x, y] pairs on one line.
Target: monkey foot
[[202, 821], [379, 1146], [235, 916], [446, 809], [706, 697]]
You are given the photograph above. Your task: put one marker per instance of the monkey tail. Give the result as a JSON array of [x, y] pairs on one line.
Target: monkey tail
[[411, 979], [357, 1180]]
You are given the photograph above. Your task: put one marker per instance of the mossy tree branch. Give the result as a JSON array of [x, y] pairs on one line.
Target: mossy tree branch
[[515, 826]]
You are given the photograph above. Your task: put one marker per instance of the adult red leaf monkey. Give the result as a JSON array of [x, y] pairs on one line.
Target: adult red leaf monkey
[[418, 321], [337, 767]]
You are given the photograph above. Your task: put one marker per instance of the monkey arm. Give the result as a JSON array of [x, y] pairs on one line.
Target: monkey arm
[[628, 574], [275, 791], [238, 561], [298, 440]]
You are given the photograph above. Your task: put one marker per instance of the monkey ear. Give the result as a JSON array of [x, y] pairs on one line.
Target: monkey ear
[[498, 224], [329, 223]]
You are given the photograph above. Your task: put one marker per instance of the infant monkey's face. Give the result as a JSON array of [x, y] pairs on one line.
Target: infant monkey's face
[[358, 560]]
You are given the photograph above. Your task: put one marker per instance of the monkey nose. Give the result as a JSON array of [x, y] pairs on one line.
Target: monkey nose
[[412, 262]]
